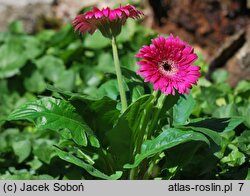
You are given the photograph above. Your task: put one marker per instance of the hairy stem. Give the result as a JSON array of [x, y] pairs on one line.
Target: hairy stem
[[119, 75]]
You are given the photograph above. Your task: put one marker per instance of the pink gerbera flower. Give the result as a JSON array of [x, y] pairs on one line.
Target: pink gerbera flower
[[168, 64], [108, 21]]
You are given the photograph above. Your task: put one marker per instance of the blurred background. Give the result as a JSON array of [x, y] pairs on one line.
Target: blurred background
[[219, 29]]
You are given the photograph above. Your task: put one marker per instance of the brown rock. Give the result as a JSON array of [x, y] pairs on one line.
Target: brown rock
[[28, 14], [239, 65]]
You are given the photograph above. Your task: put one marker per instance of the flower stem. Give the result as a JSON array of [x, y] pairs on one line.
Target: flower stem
[[119, 75]]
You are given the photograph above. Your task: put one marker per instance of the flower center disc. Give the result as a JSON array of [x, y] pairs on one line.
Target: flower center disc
[[166, 67]]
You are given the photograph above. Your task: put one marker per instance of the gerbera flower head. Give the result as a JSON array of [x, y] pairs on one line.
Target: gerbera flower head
[[168, 64], [108, 21]]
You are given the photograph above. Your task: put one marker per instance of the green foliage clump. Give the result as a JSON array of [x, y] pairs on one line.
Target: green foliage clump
[[65, 89]]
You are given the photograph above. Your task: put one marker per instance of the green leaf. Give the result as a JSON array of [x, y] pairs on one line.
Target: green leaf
[[106, 114], [128, 61], [51, 67], [245, 112], [183, 109], [235, 158], [45, 35], [121, 140], [66, 80], [129, 74], [217, 124], [42, 148], [135, 111], [4, 36], [22, 149], [243, 86], [226, 111], [220, 76], [73, 96], [10, 101], [243, 142], [35, 164], [109, 89], [216, 137], [89, 168], [203, 164], [35, 83], [233, 123], [248, 175], [6, 138], [167, 139], [16, 27], [33, 46], [168, 103], [103, 109], [137, 92], [13, 57], [64, 93], [105, 62], [128, 31], [89, 75], [73, 50], [54, 114], [136, 85], [173, 157], [63, 38], [208, 96], [125, 132], [96, 41], [23, 174]]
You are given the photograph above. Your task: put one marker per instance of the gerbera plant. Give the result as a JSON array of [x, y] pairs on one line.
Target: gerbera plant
[[109, 22], [153, 136]]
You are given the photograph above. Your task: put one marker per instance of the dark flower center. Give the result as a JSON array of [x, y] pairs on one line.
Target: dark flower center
[[166, 67]]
